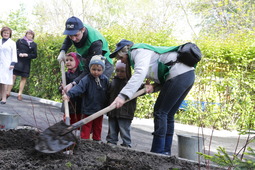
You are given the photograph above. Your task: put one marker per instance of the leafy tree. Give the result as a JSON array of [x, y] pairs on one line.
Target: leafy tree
[[17, 21], [225, 16]]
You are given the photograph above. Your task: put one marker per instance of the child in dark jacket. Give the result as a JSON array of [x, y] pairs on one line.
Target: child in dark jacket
[[72, 61], [119, 121], [93, 88]]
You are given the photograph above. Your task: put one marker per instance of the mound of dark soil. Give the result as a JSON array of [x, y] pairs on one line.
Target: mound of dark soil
[[17, 152]]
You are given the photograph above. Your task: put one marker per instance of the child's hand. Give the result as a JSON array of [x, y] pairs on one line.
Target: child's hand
[[68, 87], [65, 97], [149, 88]]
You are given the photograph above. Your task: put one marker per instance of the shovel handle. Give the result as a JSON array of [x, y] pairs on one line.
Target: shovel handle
[[67, 116], [100, 113]]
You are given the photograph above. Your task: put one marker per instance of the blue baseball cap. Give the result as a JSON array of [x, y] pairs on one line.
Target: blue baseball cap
[[119, 46], [73, 25]]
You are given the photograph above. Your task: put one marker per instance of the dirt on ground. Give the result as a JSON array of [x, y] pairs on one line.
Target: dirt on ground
[[17, 152]]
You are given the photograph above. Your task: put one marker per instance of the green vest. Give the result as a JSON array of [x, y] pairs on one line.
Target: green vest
[[163, 70], [94, 35]]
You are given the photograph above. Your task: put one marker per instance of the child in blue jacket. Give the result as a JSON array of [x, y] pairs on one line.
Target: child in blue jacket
[[93, 88]]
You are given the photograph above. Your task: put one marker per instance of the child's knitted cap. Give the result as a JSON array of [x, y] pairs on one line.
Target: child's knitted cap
[[75, 57], [119, 64], [97, 59]]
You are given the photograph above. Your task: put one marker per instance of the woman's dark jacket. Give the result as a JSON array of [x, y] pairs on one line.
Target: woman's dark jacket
[[128, 109], [94, 96], [24, 63]]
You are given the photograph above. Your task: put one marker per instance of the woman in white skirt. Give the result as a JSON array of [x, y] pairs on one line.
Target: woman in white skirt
[[8, 58]]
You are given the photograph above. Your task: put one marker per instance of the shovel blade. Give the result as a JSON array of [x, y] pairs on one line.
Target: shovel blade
[[52, 139]]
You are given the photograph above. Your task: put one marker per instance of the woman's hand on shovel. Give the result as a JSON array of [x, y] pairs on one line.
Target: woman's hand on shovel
[[118, 102]]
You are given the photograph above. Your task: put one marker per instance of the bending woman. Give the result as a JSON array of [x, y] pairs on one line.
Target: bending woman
[[175, 82]]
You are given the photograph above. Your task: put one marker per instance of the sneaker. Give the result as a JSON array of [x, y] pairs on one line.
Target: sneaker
[[112, 144], [97, 141], [68, 152], [125, 145], [167, 153]]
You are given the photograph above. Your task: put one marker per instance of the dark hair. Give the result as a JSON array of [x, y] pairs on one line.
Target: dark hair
[[31, 32], [6, 29]]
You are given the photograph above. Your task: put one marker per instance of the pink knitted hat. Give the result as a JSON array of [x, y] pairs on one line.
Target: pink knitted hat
[[74, 55]]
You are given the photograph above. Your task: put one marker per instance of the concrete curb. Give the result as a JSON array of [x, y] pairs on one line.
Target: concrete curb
[[138, 121], [45, 101]]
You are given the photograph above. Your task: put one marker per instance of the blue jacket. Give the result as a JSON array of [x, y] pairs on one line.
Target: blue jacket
[[94, 96], [75, 103]]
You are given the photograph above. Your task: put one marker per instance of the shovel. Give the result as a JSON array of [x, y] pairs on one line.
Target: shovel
[[58, 137], [67, 116]]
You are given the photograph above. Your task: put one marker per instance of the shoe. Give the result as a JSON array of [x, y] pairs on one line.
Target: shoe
[[7, 95], [112, 144], [19, 97], [97, 141], [3, 102], [125, 145], [68, 152], [167, 153]]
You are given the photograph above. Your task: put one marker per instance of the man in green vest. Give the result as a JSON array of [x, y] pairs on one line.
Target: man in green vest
[[88, 42]]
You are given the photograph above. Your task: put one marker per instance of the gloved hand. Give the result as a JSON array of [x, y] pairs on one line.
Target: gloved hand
[[61, 56]]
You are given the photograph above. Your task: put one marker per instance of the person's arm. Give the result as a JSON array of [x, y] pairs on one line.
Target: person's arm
[[66, 44], [17, 46], [78, 89], [95, 49], [33, 52], [141, 59], [14, 58]]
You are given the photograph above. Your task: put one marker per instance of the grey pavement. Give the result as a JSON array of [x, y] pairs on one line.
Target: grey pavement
[[41, 113]]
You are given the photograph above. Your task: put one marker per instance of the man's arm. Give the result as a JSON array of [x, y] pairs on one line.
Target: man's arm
[[95, 49], [66, 44]]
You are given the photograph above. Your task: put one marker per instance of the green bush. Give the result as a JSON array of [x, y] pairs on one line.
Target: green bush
[[225, 75]]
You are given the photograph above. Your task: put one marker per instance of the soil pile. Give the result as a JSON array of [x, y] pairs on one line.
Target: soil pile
[[17, 152]]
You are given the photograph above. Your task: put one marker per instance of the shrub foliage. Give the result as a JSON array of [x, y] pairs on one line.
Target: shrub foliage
[[224, 87]]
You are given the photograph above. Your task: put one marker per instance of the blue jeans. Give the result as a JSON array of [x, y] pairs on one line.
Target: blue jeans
[[169, 100], [118, 126]]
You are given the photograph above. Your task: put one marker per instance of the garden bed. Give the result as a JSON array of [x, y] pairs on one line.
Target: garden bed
[[17, 152]]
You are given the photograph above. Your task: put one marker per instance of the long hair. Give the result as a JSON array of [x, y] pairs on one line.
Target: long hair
[[128, 69]]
